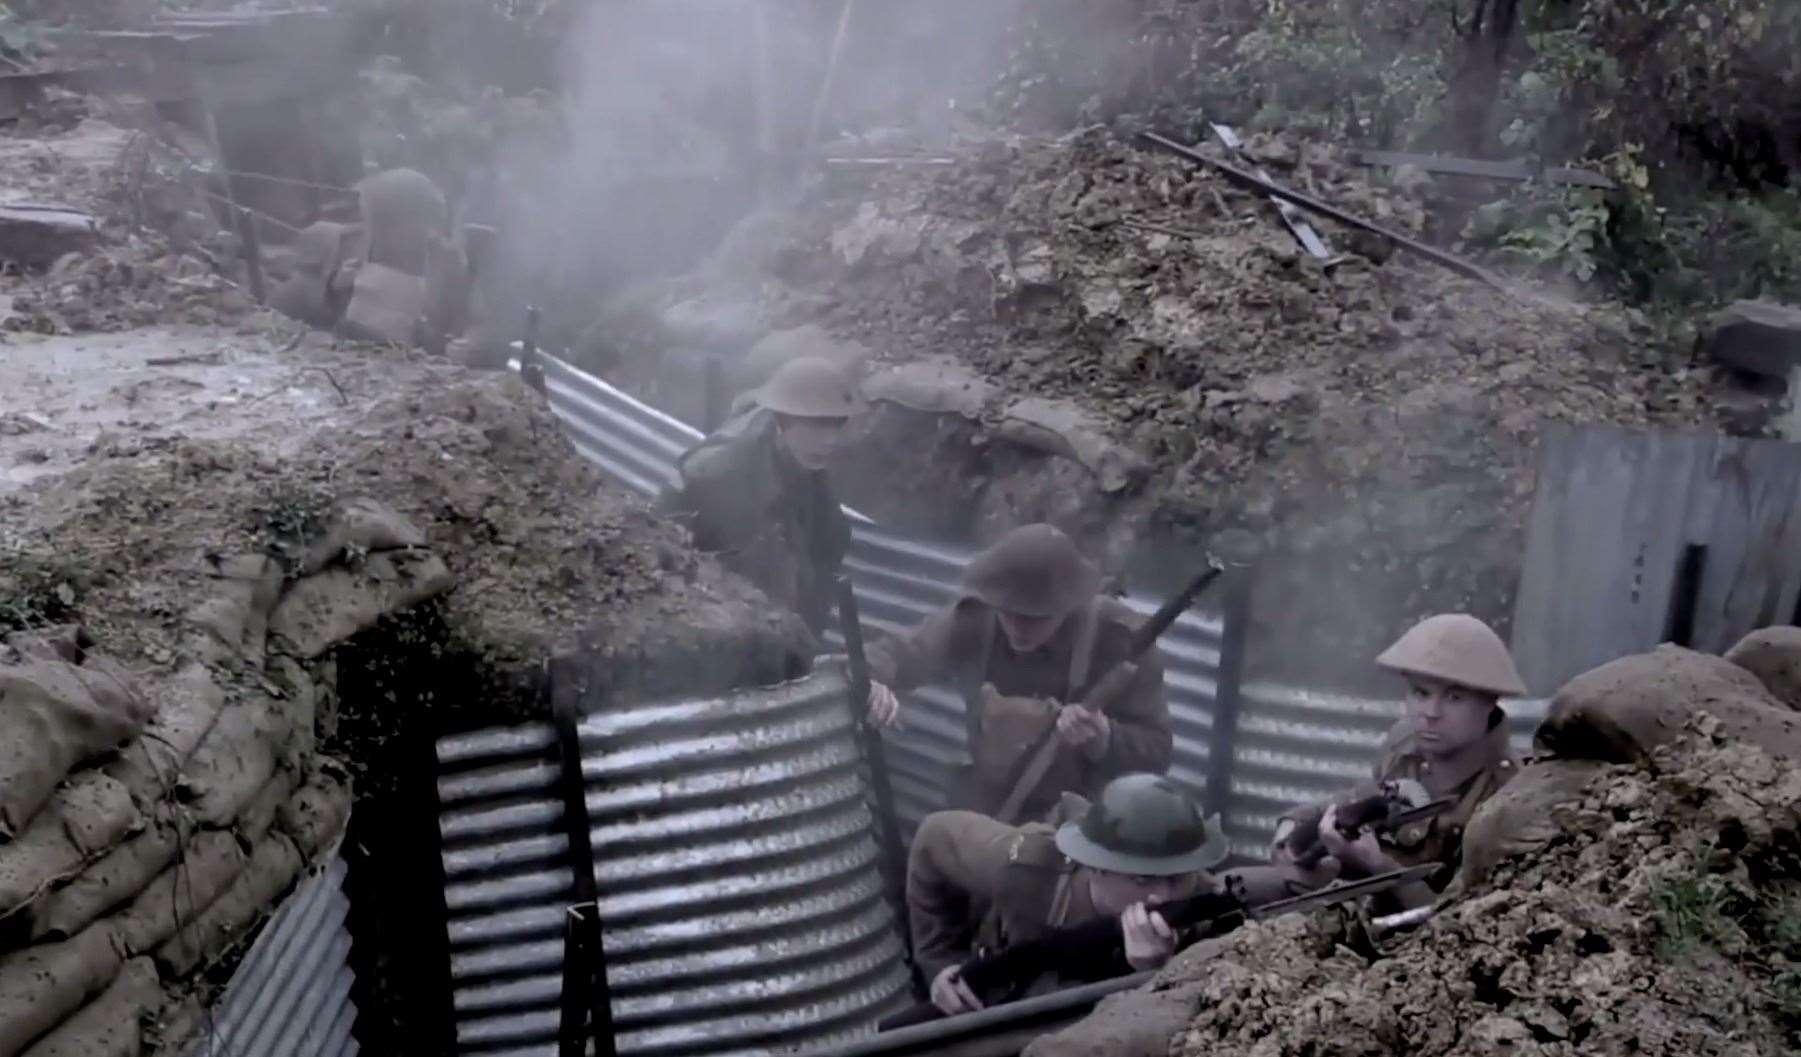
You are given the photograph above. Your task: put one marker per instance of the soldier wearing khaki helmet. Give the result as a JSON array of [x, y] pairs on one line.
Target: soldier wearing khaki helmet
[[755, 490], [1026, 633], [1452, 741]]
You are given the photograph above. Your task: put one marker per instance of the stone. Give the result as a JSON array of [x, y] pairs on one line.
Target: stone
[[1758, 337], [36, 236]]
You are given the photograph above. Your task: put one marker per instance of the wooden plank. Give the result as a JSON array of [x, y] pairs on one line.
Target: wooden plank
[[1493, 170], [1747, 512], [1608, 525]]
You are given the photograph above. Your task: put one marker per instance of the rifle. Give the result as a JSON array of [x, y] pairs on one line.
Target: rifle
[[1231, 548], [1383, 811], [1096, 950]]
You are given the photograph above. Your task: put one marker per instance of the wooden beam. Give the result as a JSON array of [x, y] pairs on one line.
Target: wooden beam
[[1493, 170]]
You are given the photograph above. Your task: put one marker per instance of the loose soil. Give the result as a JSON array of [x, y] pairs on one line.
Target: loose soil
[[1664, 919]]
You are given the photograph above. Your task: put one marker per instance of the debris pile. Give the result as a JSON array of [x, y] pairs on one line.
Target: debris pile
[[138, 244], [1654, 908], [1374, 408], [181, 726]]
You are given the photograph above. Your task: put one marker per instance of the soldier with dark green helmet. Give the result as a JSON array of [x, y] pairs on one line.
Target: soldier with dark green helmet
[[975, 885], [755, 491], [1025, 635]]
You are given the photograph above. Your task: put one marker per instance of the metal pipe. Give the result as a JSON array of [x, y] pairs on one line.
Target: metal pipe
[[929, 1038]]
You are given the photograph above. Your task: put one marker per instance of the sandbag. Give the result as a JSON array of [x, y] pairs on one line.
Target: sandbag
[[1774, 656], [178, 899], [237, 759], [1517, 820], [272, 868], [299, 694], [187, 706], [316, 814], [84, 818], [402, 210], [179, 1020], [335, 604], [53, 717], [260, 814], [40, 987], [359, 524], [115, 878], [110, 1025], [241, 591], [1622, 710]]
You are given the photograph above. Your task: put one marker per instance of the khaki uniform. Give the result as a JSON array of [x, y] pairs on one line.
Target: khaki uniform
[[975, 886], [963, 645], [1474, 776], [773, 522]]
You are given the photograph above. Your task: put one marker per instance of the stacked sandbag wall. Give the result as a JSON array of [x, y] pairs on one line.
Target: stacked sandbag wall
[[1619, 713], [149, 822]]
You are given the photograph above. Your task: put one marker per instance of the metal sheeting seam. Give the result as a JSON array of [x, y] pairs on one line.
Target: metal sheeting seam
[[742, 904]]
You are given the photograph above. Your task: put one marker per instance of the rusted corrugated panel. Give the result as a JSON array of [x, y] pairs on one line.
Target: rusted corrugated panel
[[1291, 745], [739, 888], [290, 997]]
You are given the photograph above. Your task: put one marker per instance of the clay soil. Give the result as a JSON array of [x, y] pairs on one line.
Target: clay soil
[[1664, 920]]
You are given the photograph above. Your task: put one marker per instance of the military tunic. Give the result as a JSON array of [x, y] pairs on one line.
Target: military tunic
[[962, 644], [772, 521], [1472, 776]]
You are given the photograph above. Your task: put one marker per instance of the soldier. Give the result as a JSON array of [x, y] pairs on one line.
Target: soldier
[[1452, 741], [756, 490], [1027, 633], [975, 885]]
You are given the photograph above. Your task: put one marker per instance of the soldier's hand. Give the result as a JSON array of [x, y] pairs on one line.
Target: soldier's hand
[[1149, 940], [884, 707], [1085, 728], [1322, 873], [1361, 852], [951, 995]]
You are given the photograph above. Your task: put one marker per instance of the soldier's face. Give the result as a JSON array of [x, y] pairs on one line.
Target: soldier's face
[[1113, 892], [812, 441], [1448, 717], [1026, 634]]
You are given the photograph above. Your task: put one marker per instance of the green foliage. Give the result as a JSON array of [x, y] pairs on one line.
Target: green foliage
[[1690, 912], [290, 524], [35, 591]]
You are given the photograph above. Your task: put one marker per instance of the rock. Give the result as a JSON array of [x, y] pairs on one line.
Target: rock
[[1624, 709], [35, 236], [1774, 656], [1759, 337]]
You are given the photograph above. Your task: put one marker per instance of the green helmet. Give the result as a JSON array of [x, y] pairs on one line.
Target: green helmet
[[1035, 571], [1144, 824]]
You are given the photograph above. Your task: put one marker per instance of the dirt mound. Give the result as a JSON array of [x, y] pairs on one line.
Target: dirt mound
[[1664, 918], [1380, 417]]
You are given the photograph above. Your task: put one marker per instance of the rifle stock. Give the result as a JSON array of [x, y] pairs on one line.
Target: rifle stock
[[1095, 950]]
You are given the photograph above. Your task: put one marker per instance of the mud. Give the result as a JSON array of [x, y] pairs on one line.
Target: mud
[[1376, 420], [1663, 918]]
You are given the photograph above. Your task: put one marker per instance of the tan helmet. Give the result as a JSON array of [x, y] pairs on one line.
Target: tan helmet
[[1457, 648], [810, 387], [1034, 571]]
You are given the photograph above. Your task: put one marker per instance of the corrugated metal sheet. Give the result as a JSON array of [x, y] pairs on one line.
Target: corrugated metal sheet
[[739, 886], [1291, 745], [290, 997]]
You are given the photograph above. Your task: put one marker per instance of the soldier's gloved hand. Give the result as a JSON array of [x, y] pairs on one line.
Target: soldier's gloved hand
[[1085, 728], [1150, 941], [884, 707], [1362, 854], [951, 995]]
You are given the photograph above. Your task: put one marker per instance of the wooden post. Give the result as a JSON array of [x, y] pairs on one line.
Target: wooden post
[[587, 1000], [1226, 696]]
